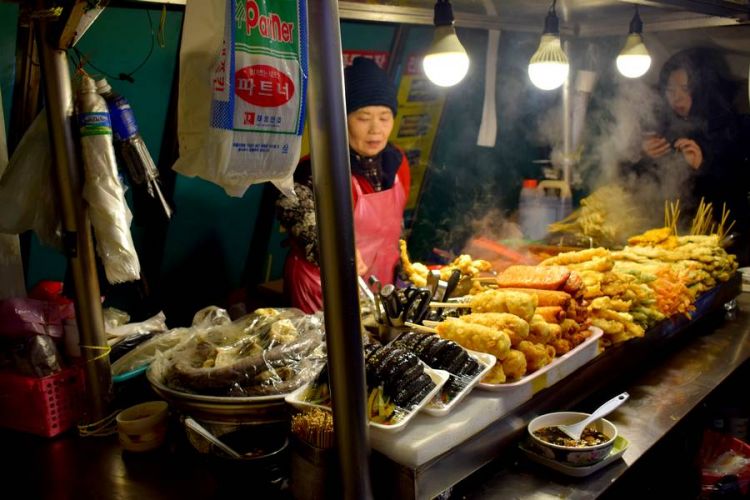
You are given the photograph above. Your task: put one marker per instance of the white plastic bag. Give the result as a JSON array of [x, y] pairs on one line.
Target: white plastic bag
[[109, 213], [243, 80], [11, 267], [27, 197]]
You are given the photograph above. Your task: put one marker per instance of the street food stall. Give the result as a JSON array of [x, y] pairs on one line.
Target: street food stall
[[508, 304]]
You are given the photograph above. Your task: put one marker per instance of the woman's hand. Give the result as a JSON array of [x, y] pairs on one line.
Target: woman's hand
[[655, 146], [361, 266], [691, 151]]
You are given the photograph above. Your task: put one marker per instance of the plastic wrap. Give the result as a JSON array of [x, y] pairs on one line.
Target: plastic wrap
[[36, 356], [114, 317], [110, 215], [143, 354], [155, 324], [24, 317], [146, 352], [725, 466], [267, 352]]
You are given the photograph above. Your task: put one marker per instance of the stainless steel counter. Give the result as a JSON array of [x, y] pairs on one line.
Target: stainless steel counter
[[668, 374], [658, 401]]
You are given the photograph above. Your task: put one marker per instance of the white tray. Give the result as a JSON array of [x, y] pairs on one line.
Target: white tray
[[439, 377], [621, 444], [558, 369], [436, 408]]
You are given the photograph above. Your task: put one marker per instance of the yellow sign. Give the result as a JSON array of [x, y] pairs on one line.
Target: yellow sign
[[420, 105]]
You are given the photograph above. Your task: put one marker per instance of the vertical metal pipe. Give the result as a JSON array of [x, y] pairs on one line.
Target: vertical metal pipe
[[566, 122], [77, 238], [329, 148]]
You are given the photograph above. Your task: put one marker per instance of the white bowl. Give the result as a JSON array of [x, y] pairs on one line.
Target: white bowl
[[566, 454], [143, 427]]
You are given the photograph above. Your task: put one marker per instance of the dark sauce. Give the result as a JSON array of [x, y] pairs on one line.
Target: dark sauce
[[589, 437]]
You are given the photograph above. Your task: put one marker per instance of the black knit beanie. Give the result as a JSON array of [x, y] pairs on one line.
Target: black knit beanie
[[368, 85]]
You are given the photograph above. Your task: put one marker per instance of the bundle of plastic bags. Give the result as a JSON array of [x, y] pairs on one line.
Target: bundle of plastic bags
[[243, 79]]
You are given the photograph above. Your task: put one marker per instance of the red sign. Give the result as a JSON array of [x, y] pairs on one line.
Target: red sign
[[263, 85], [379, 56]]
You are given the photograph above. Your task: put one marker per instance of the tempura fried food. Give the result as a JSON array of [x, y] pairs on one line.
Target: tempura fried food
[[576, 257], [514, 365], [475, 337], [466, 265], [546, 298], [662, 237], [416, 272], [496, 375], [541, 332], [516, 328], [551, 314], [520, 304], [536, 355]]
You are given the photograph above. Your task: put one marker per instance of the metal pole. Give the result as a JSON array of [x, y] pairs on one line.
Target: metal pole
[[567, 159], [77, 238], [329, 149]]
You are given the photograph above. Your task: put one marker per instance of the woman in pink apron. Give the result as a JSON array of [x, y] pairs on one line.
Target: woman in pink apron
[[380, 188]]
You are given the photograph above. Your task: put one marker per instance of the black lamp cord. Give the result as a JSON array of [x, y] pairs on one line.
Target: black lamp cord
[[81, 59]]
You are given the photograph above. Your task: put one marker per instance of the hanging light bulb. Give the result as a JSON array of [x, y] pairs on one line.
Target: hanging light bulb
[[634, 59], [446, 62], [548, 67]]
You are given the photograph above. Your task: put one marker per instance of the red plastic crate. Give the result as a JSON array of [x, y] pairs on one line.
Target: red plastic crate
[[44, 406]]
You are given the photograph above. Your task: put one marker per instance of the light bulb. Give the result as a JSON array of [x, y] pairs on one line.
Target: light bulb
[[446, 63], [634, 59], [548, 67]]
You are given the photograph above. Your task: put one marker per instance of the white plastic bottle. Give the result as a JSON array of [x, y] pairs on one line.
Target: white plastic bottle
[[534, 212], [102, 190]]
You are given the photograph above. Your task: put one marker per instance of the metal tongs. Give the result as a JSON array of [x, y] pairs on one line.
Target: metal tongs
[[408, 305]]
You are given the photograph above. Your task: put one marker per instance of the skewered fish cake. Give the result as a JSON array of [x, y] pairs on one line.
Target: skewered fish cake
[[542, 278]]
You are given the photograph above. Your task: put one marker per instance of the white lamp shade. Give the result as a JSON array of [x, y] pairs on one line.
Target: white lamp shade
[[446, 62], [548, 67], [634, 59]]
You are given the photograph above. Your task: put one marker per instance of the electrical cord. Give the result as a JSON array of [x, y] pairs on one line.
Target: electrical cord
[[83, 60]]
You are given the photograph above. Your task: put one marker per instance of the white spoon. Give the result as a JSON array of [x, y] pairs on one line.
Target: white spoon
[[190, 422], [574, 431]]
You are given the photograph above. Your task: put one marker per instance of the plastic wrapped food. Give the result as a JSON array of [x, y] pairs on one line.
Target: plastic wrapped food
[[268, 352]]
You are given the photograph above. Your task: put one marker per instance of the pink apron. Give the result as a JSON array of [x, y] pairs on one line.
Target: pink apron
[[377, 228]]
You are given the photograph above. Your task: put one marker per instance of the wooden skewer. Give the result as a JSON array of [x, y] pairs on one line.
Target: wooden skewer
[[431, 324], [440, 305], [485, 279], [420, 328]]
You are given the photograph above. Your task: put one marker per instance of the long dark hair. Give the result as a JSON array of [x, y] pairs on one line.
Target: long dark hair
[[710, 89]]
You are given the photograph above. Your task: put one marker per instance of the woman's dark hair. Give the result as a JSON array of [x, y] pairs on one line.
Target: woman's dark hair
[[711, 91]]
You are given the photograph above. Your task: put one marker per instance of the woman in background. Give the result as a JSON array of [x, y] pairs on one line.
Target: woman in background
[[380, 187], [701, 129]]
